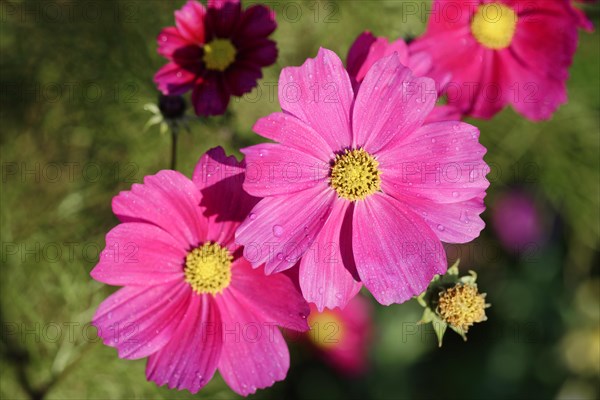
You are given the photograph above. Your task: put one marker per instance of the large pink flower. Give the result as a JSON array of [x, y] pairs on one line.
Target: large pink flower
[[368, 49], [191, 302], [216, 52], [357, 186], [502, 52]]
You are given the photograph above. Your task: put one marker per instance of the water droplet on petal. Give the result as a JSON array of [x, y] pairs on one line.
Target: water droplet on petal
[[441, 228], [278, 230], [252, 216]]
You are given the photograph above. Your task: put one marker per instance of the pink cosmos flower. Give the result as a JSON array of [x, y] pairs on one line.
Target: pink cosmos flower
[[502, 52], [357, 186], [342, 337], [368, 49], [215, 52], [190, 301]]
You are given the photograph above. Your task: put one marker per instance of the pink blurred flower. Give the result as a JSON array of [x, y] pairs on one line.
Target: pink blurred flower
[[216, 52], [368, 49], [190, 302], [342, 336], [502, 52], [357, 186], [517, 221]]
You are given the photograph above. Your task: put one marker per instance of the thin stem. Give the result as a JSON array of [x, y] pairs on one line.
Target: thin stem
[[173, 148]]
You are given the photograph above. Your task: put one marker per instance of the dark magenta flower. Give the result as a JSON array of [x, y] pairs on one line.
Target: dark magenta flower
[[216, 52]]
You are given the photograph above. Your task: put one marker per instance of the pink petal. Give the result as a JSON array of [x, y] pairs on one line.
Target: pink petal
[[420, 63], [140, 320], [443, 113], [274, 169], [281, 304], [448, 50], [254, 354], [190, 21], [190, 359], [280, 229], [390, 104], [291, 132], [257, 21], [441, 161], [174, 47], [319, 93], [458, 222], [379, 49], [211, 97], [396, 253], [225, 204], [358, 54], [168, 200], [172, 79], [139, 254], [325, 276]]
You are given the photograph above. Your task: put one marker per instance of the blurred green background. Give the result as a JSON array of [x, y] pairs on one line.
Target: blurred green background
[[75, 77]]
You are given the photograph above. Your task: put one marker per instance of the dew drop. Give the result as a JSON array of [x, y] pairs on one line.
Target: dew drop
[[441, 228], [277, 230], [252, 216]]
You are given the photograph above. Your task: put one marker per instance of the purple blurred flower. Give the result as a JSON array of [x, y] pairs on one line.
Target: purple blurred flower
[[517, 221]]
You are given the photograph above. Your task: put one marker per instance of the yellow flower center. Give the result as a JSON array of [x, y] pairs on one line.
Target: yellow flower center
[[208, 268], [494, 25], [219, 54], [326, 329], [355, 175], [462, 305]]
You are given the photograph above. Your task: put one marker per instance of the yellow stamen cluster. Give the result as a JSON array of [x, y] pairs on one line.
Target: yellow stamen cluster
[[355, 175], [462, 305], [219, 54], [326, 329], [494, 25], [208, 268]]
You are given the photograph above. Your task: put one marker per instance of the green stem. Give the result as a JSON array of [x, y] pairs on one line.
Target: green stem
[[173, 149]]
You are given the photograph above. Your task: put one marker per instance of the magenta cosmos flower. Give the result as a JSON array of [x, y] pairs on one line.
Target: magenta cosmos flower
[[342, 337], [502, 52], [357, 186], [191, 302], [215, 52], [368, 49]]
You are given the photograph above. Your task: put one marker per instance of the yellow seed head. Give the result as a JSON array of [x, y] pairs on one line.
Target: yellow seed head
[[208, 268], [355, 175], [494, 25], [462, 305], [219, 54]]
